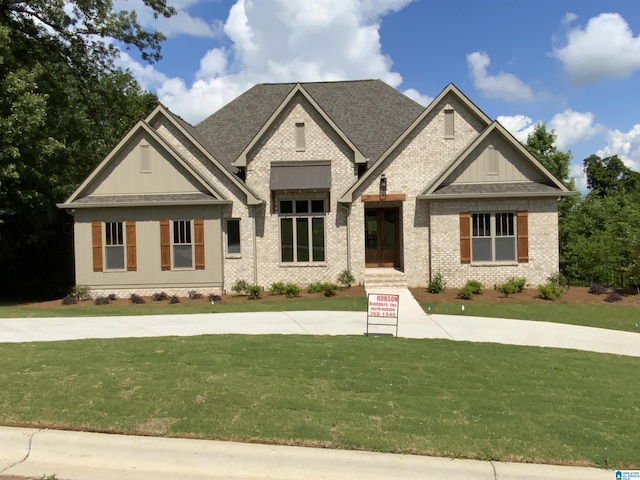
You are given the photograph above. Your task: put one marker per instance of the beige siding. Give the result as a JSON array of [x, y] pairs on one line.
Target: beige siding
[[148, 276], [127, 174]]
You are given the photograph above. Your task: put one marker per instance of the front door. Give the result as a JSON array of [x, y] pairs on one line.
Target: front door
[[382, 233]]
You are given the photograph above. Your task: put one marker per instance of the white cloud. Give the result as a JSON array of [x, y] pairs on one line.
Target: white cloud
[[503, 85], [518, 125], [625, 145], [574, 127], [283, 41], [605, 48], [576, 171], [415, 95]]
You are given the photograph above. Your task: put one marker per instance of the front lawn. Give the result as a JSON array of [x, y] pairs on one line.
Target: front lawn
[[456, 399]]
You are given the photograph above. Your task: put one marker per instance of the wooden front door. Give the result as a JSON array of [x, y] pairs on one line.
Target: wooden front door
[[382, 234]]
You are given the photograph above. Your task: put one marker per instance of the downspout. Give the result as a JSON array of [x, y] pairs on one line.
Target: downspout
[[430, 249], [255, 247], [348, 214]]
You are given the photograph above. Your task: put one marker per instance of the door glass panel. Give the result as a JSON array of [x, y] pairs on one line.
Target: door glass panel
[[389, 230], [371, 229]]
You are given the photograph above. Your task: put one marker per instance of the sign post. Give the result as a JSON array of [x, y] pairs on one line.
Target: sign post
[[384, 307]]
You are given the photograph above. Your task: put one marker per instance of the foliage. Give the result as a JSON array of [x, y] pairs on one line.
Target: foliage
[[239, 287], [346, 278], [506, 289], [613, 297], [598, 288], [137, 299], [81, 292], [465, 292], [550, 291], [291, 290], [195, 295], [475, 286], [328, 289], [277, 288], [214, 298], [437, 284], [518, 283], [541, 144], [315, 287], [159, 296], [69, 300], [173, 299], [112, 296], [254, 292], [101, 301], [609, 176]]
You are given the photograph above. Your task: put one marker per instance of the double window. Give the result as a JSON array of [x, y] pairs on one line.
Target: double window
[[302, 231], [493, 237]]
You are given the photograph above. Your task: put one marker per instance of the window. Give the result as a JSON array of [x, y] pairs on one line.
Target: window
[[145, 159], [114, 246], [182, 246], [449, 127], [492, 160], [300, 138], [493, 237], [233, 236], [302, 230]]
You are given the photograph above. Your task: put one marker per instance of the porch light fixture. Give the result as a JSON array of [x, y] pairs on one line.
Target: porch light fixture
[[383, 186]]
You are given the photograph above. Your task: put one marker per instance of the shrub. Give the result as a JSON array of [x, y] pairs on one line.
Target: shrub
[[112, 296], [240, 286], [329, 289], [101, 301], [346, 278], [174, 299], [194, 295], [613, 297], [506, 289], [518, 283], [69, 300], [137, 299], [277, 288], [550, 291], [214, 298], [291, 290], [159, 296], [598, 289], [475, 287], [315, 287], [466, 292], [254, 292], [437, 284], [80, 292]]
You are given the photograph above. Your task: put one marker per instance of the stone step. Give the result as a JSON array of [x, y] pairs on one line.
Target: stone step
[[385, 278]]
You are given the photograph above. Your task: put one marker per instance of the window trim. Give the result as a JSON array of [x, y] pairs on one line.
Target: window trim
[[493, 236], [310, 215]]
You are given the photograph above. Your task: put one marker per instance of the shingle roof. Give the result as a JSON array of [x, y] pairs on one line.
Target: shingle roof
[[500, 188], [369, 112]]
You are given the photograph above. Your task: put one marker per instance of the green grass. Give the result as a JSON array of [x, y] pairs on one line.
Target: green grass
[[457, 399], [614, 317], [161, 308]]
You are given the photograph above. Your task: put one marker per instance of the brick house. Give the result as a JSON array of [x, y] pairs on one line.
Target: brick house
[[299, 182]]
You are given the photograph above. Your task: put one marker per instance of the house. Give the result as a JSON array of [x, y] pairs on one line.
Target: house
[[298, 182]]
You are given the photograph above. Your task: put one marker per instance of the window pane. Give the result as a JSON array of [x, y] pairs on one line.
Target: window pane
[[481, 248], [317, 206], [505, 249], [233, 236], [504, 224], [182, 256], [317, 227], [286, 239], [302, 239], [113, 233], [286, 206], [481, 225], [114, 257], [302, 206]]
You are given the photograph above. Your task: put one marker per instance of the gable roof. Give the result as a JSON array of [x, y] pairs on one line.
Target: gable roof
[[551, 187], [353, 108], [450, 89]]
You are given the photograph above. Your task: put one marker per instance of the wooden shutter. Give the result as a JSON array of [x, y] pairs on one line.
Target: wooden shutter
[[132, 260], [96, 241], [523, 236], [198, 234], [165, 245], [465, 237]]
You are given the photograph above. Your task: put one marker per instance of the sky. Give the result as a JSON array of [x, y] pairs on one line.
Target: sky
[[572, 65]]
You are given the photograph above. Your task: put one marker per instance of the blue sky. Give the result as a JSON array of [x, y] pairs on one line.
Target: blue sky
[[573, 65]]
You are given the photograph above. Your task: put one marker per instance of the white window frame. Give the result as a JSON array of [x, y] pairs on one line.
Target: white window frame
[[295, 216], [111, 235], [498, 225], [185, 238]]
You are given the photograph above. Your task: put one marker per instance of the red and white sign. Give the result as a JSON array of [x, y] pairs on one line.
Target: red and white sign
[[381, 305]]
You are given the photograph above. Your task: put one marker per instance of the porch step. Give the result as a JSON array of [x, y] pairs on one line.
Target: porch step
[[384, 278]]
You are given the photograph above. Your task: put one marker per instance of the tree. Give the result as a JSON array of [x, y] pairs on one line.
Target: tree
[[610, 176], [541, 143], [62, 107]]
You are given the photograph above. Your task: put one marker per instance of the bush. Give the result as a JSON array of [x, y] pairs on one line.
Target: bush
[[112, 296], [506, 289], [518, 283], [598, 289], [550, 291], [328, 289], [475, 287], [240, 286], [315, 287], [613, 297], [346, 278], [174, 299], [101, 301], [466, 292], [69, 300], [254, 292], [277, 288], [214, 298], [291, 290], [194, 295], [159, 296], [437, 284], [137, 299], [80, 292]]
